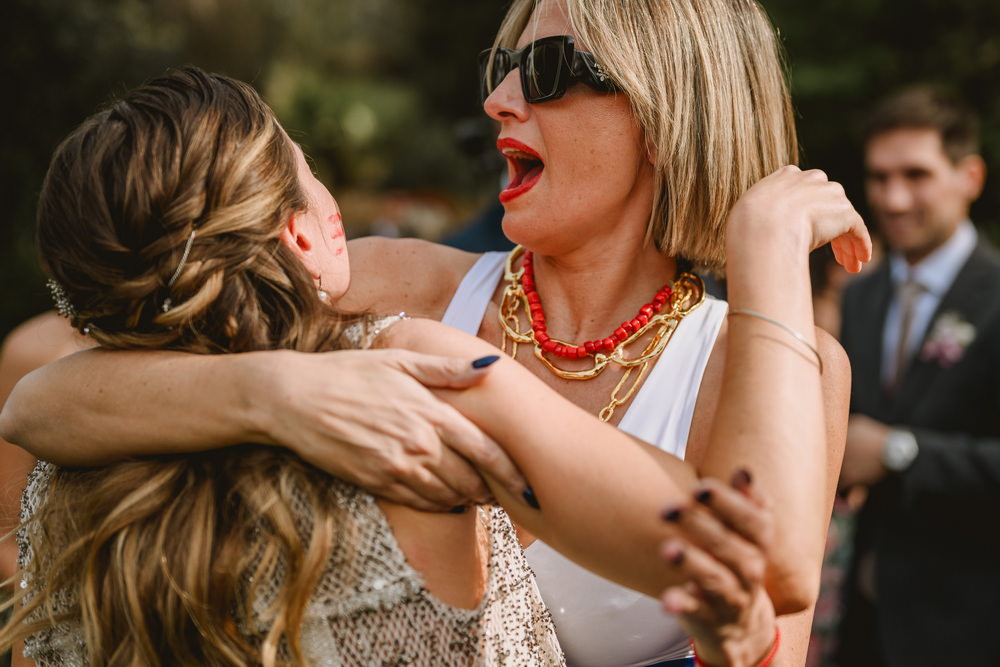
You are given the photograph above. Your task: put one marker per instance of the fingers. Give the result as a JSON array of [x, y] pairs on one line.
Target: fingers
[[445, 372], [463, 439], [458, 433], [489, 458], [730, 525], [681, 599], [727, 549], [458, 474], [404, 495], [738, 508], [710, 582]]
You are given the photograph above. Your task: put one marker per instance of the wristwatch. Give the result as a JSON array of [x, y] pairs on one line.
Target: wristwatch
[[899, 450]]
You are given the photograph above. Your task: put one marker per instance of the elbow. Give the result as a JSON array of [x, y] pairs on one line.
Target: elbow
[[793, 590], [9, 430]]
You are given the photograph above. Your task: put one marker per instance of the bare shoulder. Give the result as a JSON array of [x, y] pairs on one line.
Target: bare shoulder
[[389, 275], [39, 341]]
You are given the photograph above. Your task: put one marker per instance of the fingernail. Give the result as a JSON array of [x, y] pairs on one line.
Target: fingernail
[[742, 478], [673, 553], [530, 498], [672, 514], [458, 509], [703, 496], [483, 362]]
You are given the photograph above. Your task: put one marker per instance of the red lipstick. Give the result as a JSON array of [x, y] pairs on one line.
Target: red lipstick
[[526, 167]]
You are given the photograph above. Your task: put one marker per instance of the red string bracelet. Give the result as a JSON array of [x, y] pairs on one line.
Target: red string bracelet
[[764, 662]]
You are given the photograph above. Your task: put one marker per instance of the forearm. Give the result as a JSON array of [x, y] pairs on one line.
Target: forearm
[[795, 631], [601, 493], [770, 417], [99, 406]]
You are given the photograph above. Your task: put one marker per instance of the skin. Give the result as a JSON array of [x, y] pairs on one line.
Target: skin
[[722, 596], [918, 196], [587, 249], [39, 341], [593, 271]]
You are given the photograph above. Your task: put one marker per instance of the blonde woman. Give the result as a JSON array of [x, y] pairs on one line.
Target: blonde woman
[[638, 133], [248, 555]]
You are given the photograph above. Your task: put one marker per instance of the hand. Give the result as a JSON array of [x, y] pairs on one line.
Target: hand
[[863, 453], [366, 416], [724, 605], [809, 206]]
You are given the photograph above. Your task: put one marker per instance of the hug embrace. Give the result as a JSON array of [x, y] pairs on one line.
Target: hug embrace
[[569, 453]]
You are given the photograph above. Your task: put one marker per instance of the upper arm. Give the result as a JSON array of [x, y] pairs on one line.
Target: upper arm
[[411, 275]]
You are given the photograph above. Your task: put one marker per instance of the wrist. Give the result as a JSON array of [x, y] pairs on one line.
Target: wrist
[[899, 449], [764, 660], [256, 415], [769, 231], [750, 642]]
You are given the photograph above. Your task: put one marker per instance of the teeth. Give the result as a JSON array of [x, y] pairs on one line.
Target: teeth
[[518, 155]]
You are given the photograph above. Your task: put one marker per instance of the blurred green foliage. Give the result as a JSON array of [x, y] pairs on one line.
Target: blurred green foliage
[[382, 93]]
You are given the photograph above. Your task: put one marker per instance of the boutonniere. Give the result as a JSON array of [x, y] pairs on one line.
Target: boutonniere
[[949, 337]]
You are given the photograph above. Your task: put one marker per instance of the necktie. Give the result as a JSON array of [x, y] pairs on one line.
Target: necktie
[[909, 293]]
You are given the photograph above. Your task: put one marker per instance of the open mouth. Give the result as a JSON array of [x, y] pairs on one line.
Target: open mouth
[[525, 168]]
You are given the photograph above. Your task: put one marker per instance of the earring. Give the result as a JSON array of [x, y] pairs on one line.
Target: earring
[[323, 295]]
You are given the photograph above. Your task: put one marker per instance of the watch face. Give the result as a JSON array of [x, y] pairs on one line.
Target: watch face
[[899, 450]]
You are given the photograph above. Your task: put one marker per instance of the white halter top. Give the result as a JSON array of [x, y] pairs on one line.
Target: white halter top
[[599, 623]]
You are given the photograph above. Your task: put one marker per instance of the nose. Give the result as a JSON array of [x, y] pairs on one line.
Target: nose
[[894, 196], [506, 102]]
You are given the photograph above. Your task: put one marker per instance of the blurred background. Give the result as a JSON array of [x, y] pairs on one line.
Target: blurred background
[[384, 97]]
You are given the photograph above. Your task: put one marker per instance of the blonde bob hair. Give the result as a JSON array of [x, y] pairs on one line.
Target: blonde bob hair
[[706, 83]]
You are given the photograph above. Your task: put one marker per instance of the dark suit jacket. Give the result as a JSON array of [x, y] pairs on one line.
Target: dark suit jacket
[[935, 528]]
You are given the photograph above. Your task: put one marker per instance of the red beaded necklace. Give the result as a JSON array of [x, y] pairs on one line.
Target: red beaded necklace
[[654, 324], [663, 297]]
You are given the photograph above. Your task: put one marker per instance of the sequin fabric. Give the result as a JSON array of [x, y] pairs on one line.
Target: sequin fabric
[[370, 607]]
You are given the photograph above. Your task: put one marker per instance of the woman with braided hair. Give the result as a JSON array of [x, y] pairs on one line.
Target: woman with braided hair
[[642, 136]]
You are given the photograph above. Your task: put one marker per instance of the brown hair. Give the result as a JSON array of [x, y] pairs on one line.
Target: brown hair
[[157, 555], [928, 108], [706, 84]]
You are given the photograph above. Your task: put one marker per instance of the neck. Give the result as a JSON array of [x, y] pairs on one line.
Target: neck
[[588, 292]]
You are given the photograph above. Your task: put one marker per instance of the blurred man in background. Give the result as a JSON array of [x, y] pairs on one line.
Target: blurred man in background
[[923, 335]]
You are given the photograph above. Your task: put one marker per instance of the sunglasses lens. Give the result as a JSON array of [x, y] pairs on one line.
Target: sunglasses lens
[[543, 71], [490, 78]]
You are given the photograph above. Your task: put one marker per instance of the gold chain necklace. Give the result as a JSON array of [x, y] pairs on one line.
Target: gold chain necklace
[[688, 294]]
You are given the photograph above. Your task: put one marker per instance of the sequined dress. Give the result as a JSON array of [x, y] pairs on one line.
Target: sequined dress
[[371, 607]]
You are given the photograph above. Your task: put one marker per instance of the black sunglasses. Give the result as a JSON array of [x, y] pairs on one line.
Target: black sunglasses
[[548, 67]]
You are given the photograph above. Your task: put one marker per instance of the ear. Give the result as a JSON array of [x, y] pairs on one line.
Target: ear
[[972, 170], [296, 239]]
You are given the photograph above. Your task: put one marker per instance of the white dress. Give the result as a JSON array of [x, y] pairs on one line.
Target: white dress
[[370, 607], [599, 623]]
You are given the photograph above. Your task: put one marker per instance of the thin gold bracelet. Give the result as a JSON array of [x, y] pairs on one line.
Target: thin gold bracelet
[[798, 336]]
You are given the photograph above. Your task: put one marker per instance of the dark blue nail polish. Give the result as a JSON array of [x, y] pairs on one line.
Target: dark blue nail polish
[[530, 498], [458, 509], [703, 496], [672, 514], [483, 362]]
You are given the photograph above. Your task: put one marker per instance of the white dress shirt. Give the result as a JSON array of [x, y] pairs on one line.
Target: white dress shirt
[[935, 273]]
